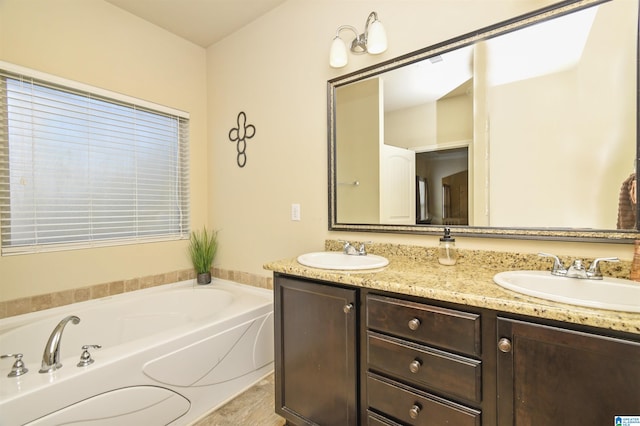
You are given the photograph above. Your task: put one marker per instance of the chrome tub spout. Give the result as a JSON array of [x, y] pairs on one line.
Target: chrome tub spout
[[51, 354]]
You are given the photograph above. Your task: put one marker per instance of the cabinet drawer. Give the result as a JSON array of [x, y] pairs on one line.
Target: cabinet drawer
[[422, 366], [413, 407], [374, 419], [445, 328]]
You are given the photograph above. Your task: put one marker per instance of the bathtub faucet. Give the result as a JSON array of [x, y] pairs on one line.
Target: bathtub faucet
[[51, 355]]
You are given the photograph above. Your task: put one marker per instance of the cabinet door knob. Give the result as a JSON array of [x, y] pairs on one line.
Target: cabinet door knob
[[414, 366], [414, 411], [348, 308], [414, 324], [504, 345]]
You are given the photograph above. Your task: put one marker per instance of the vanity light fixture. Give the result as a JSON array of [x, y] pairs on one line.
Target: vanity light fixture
[[373, 40]]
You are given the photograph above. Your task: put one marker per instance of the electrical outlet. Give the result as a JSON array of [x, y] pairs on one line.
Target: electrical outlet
[[295, 211]]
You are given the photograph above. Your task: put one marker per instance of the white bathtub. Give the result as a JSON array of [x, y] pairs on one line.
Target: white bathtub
[[169, 355]]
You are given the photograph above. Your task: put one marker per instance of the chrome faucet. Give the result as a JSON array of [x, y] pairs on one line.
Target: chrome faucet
[[577, 269], [51, 354], [348, 248], [558, 267]]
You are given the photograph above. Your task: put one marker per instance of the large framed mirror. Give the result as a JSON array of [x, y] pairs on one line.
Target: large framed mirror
[[525, 129]]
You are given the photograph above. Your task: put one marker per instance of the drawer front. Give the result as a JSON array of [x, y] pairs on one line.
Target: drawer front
[[416, 408], [422, 366], [374, 419], [441, 327]]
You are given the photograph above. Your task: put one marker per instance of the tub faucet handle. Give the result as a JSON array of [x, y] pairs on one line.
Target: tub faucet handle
[[18, 368], [85, 357]]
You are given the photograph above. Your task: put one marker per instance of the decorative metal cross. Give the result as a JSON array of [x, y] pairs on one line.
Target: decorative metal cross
[[239, 135]]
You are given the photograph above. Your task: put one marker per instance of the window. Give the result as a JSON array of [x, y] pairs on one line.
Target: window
[[81, 167]]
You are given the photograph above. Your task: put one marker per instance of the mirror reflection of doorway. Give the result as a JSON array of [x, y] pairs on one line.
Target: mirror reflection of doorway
[[455, 199], [445, 178], [422, 201]]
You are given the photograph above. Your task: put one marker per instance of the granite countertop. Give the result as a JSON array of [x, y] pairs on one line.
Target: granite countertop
[[466, 283]]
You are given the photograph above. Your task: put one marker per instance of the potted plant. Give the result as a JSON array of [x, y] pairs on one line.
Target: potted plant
[[202, 249]]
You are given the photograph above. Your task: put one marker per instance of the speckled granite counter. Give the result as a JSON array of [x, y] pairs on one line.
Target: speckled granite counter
[[470, 283]]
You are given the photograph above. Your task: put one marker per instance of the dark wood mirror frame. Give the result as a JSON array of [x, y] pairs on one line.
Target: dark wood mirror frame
[[560, 234]]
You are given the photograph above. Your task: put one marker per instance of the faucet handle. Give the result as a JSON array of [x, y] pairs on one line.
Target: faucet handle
[[348, 248], [558, 267], [18, 368], [362, 250], [345, 244], [85, 357], [594, 270]]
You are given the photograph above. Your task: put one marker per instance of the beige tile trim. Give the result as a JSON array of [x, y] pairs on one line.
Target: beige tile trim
[[52, 300]]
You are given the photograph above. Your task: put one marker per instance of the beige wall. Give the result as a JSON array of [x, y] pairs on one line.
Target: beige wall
[[275, 70], [358, 122], [93, 42], [412, 127], [455, 118], [596, 88]]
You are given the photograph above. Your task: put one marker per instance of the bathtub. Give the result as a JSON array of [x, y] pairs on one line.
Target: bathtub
[[169, 355]]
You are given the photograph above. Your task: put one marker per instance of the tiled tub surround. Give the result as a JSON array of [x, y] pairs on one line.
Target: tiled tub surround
[[52, 300], [415, 271]]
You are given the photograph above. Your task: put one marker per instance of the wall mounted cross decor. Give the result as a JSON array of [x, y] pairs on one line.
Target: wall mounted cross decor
[[240, 135]]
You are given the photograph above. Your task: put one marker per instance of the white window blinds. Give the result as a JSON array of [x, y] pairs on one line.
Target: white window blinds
[[81, 169]]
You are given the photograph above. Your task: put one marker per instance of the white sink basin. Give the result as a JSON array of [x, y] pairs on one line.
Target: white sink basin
[[340, 261], [609, 293]]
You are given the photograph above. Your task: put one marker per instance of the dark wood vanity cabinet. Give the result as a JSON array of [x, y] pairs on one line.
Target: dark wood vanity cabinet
[[548, 375], [349, 356], [423, 363], [316, 342]]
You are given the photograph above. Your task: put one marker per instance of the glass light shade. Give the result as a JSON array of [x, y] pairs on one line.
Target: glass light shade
[[338, 53], [376, 38]]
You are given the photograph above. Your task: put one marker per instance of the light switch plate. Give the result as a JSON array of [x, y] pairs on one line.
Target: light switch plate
[[295, 211]]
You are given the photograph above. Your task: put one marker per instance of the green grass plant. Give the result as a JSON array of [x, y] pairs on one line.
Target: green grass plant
[[202, 249]]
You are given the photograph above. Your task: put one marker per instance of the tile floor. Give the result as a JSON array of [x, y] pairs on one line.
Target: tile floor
[[254, 407]]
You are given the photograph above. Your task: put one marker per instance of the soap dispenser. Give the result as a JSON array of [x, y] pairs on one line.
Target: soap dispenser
[[447, 254]]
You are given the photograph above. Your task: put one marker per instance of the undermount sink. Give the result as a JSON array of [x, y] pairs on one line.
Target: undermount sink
[[340, 261], [608, 293]]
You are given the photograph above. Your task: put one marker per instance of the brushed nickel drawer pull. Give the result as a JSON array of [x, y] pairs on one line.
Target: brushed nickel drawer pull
[[348, 308], [504, 345], [414, 366], [414, 411], [414, 324]]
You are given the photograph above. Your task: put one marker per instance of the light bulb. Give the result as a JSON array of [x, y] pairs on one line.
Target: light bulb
[[376, 38], [338, 53]]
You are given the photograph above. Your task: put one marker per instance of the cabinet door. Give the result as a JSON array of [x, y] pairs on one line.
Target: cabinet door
[[552, 376], [316, 347]]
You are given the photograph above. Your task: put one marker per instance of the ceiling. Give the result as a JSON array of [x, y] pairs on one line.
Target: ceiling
[[203, 22], [548, 47]]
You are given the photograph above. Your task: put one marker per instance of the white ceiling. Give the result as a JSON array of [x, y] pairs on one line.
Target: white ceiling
[[202, 22]]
